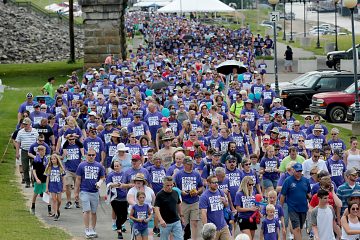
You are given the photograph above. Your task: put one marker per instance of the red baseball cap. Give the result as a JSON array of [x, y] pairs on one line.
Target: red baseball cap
[[164, 119], [135, 157]]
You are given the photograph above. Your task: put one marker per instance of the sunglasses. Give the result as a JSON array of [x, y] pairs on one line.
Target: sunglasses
[[192, 135], [283, 123], [334, 134], [296, 125], [91, 155], [250, 184], [355, 209], [313, 173], [232, 161], [247, 164], [301, 140], [215, 182]]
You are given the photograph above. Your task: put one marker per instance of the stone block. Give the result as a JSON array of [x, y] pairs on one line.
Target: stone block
[[108, 40], [94, 32]]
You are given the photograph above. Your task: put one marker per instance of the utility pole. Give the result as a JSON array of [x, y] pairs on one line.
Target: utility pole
[[71, 31]]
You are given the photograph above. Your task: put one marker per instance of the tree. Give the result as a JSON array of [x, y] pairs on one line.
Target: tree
[[71, 32]]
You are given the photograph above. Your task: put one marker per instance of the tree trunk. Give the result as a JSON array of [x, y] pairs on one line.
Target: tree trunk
[[71, 31], [123, 54]]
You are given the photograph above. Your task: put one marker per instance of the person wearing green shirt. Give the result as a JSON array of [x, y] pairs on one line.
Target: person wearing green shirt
[[48, 88], [236, 108], [293, 156]]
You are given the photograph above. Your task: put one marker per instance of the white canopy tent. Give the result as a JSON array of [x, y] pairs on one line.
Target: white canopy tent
[[152, 3], [196, 6]]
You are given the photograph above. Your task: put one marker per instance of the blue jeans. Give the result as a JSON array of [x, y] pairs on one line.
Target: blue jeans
[[174, 228]]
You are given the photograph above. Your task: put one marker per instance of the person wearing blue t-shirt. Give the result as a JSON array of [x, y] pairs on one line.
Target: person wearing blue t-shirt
[[295, 192], [89, 177]]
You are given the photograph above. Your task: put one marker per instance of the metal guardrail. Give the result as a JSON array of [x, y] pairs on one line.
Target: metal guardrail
[[41, 11]]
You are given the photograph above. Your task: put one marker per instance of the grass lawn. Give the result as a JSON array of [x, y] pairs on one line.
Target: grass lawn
[[15, 219], [344, 43], [344, 134]]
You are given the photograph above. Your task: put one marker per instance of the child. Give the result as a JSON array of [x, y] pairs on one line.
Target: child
[[55, 173], [323, 220], [141, 214], [255, 165], [39, 164], [278, 211], [270, 225]]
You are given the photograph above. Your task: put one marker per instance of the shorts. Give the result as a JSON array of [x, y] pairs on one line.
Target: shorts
[[190, 211], [70, 178], [288, 63], [143, 232], [89, 201], [297, 219], [269, 183], [39, 188], [244, 224]]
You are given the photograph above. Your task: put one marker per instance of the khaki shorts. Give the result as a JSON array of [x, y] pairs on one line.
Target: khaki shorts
[[70, 178], [223, 234], [190, 211]]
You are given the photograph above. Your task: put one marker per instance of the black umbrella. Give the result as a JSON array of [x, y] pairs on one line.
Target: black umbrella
[[188, 37], [159, 85], [227, 67]]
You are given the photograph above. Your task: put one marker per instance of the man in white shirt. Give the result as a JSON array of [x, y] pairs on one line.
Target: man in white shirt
[[313, 161]]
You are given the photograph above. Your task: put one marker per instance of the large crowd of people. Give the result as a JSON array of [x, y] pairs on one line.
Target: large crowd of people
[[180, 157]]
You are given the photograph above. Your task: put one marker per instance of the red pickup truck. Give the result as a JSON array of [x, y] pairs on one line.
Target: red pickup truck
[[333, 106]]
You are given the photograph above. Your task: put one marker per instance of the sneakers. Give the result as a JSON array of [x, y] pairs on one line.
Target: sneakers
[[56, 218], [27, 185], [114, 227], [87, 234], [123, 229], [93, 233], [32, 211], [156, 232], [77, 204], [290, 236], [120, 236], [68, 205]]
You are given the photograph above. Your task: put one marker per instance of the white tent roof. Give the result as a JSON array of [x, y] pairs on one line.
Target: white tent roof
[[196, 6], [147, 3]]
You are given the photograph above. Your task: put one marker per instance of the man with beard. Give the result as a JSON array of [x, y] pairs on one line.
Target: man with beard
[[231, 152]]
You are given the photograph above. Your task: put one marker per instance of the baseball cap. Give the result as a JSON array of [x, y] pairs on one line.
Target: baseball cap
[[29, 95], [188, 160], [350, 171], [135, 157], [297, 167]]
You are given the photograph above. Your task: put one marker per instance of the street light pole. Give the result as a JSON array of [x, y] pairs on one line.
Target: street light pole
[[304, 18], [336, 33], [284, 33], [351, 4], [273, 3], [318, 27], [291, 18]]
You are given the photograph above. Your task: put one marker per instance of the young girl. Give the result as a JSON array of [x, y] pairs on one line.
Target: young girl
[[141, 214], [55, 173]]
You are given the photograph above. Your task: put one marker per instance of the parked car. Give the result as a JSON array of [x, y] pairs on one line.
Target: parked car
[[288, 16], [350, 115], [333, 106], [266, 23], [334, 57], [298, 93]]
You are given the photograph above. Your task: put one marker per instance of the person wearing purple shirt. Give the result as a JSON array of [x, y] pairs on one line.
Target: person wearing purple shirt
[[278, 108], [222, 142], [296, 133], [212, 203], [136, 167], [317, 137], [191, 186], [250, 115], [153, 120], [33, 150], [37, 115], [270, 226], [157, 173], [28, 105], [335, 141], [336, 167], [125, 117], [105, 134], [209, 168], [245, 206], [89, 177], [233, 174], [269, 167], [267, 97], [139, 128], [247, 171], [173, 169], [94, 142], [310, 129], [257, 88]]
